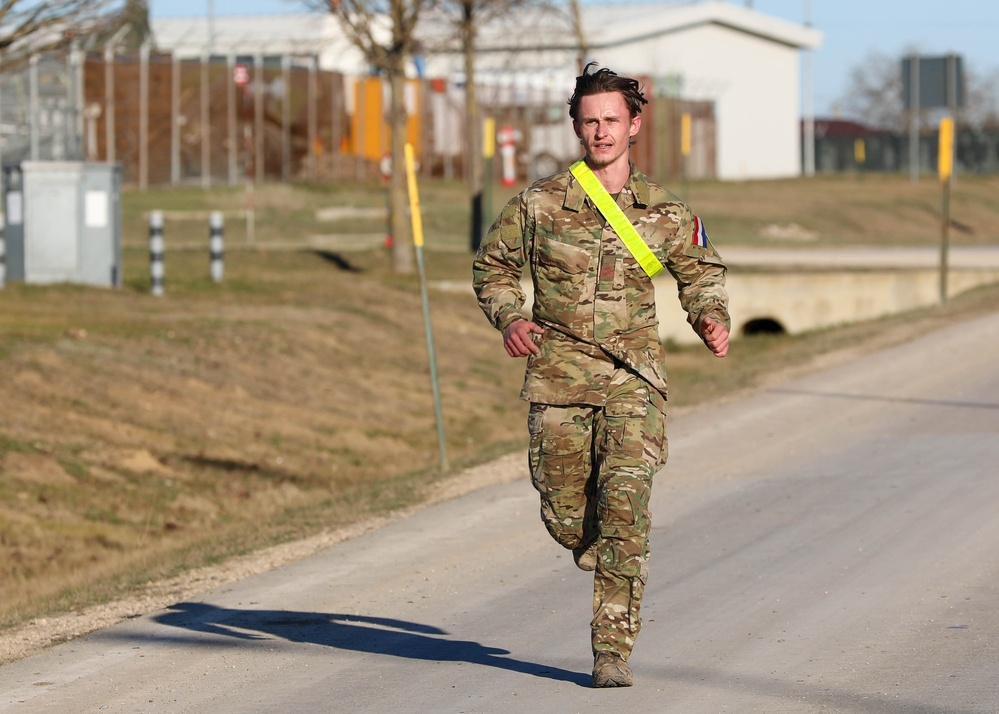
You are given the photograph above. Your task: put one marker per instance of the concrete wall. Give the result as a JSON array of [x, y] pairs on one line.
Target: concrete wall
[[810, 300]]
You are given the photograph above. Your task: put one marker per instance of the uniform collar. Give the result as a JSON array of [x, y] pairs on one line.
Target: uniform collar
[[637, 184]]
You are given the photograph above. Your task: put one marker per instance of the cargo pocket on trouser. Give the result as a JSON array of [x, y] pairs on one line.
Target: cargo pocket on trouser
[[559, 458], [656, 441], [630, 450]]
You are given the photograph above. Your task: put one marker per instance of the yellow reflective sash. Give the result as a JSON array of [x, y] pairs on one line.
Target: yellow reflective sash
[[615, 216]]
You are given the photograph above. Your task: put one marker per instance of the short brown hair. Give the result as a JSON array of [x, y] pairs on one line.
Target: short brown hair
[[604, 80]]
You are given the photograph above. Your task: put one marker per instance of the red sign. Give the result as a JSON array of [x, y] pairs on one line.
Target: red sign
[[241, 75]]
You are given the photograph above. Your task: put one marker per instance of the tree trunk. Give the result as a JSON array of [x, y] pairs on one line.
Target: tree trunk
[[402, 244], [473, 133]]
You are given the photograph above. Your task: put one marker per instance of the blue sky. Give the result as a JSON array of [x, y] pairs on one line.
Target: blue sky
[[852, 29]]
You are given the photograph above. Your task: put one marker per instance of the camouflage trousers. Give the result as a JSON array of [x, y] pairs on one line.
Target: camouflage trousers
[[593, 467]]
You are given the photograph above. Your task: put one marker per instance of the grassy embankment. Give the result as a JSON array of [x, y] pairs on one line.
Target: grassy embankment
[[141, 435]]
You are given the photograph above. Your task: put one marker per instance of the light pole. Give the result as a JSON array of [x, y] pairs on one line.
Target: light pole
[[809, 90], [211, 27]]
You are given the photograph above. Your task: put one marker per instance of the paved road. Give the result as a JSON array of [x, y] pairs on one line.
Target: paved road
[[829, 545]]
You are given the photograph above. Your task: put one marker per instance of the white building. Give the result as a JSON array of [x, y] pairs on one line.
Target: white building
[[744, 63]]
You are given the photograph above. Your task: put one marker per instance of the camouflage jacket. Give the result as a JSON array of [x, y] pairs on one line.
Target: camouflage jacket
[[591, 297]]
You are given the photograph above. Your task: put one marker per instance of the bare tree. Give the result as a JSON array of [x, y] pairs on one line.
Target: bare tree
[[130, 26], [467, 17], [29, 26], [875, 96], [982, 110], [575, 12], [384, 32]]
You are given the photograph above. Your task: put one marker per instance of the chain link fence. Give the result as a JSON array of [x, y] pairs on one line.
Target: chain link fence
[[220, 120]]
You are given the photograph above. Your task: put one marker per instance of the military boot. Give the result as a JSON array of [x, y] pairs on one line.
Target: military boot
[[610, 670]]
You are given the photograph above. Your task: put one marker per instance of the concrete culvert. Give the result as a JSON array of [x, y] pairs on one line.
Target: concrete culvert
[[763, 326]]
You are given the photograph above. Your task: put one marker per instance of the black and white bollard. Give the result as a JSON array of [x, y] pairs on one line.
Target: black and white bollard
[[215, 245], [156, 271], [3, 260]]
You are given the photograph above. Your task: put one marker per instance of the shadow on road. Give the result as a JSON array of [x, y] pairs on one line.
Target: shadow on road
[[359, 633]]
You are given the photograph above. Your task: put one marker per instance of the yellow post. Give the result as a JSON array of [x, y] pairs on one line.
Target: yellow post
[[684, 148], [414, 198], [488, 152], [945, 164], [417, 219], [945, 160], [489, 137]]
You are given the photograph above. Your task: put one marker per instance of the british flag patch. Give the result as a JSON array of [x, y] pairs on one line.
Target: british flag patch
[[700, 235]]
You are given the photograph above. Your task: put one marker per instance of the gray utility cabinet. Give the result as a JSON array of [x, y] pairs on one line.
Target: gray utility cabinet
[[63, 222]]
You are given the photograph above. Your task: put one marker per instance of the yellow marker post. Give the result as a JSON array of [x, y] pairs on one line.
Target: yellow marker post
[[945, 160], [684, 148], [417, 220], [685, 134], [488, 152], [489, 138], [945, 165], [859, 156]]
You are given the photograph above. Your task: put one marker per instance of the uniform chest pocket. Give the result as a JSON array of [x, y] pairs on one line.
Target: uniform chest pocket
[[561, 273], [555, 257]]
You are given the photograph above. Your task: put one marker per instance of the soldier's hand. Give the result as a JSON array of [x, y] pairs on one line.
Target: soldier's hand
[[715, 336], [517, 338]]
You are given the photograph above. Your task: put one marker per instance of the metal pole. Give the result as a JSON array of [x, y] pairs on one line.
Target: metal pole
[[952, 88], [231, 107], [248, 160], [175, 121], [144, 116], [2, 208], [949, 161], [414, 204], [914, 118], [76, 103], [33, 107], [809, 128], [360, 121], [216, 225], [258, 116], [449, 157], [285, 117], [945, 241], [109, 134], [946, 169], [336, 132], [313, 117], [488, 172], [206, 125], [211, 26], [156, 269]]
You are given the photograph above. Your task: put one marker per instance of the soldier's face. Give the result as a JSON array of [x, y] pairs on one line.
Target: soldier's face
[[605, 128]]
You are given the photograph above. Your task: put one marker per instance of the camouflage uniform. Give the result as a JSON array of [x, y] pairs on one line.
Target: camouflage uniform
[[597, 387]]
